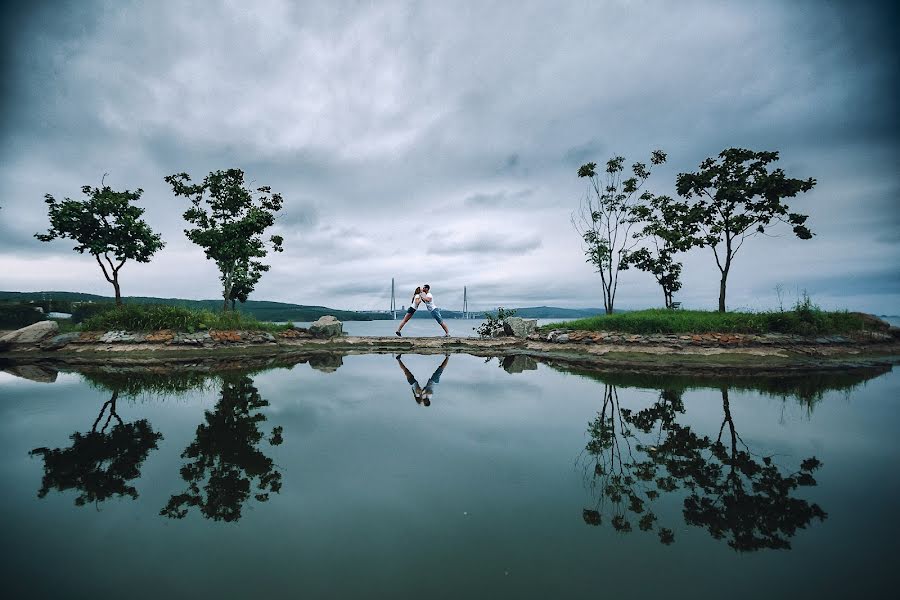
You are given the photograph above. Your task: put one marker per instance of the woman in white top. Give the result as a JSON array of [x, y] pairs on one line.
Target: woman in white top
[[413, 305]]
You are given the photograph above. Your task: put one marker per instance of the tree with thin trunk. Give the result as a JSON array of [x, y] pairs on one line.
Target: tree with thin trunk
[[229, 222], [666, 231], [737, 197], [605, 218], [107, 225]]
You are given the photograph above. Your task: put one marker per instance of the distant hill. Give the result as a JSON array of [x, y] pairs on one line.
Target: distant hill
[[266, 310], [261, 309]]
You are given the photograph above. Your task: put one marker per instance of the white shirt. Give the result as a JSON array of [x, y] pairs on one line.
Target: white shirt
[[428, 299], [415, 301]]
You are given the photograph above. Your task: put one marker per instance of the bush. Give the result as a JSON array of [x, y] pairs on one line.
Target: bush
[[493, 321], [14, 315], [805, 319], [86, 310], [152, 317]]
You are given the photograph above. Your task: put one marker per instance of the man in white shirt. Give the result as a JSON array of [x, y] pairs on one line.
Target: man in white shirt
[[428, 299]]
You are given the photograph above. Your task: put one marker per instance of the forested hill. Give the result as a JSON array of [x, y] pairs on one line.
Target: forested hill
[[265, 310], [261, 309]]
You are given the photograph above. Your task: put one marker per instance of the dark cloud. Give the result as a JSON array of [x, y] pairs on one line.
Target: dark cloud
[[443, 243], [428, 141]]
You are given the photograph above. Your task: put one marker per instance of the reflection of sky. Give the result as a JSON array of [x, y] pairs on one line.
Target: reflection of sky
[[442, 500]]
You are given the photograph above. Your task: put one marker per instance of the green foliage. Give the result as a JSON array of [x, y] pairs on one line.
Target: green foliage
[[736, 197], [493, 321], [606, 217], [14, 315], [86, 310], [137, 317], [808, 320], [106, 225], [228, 223], [667, 230]]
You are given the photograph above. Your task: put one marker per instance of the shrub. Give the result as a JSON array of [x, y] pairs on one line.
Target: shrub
[[85, 310], [805, 319], [16, 315], [493, 321], [140, 317]]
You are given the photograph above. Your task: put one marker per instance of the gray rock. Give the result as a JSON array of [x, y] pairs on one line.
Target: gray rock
[[518, 363], [32, 334], [326, 326], [519, 327], [562, 338], [59, 341]]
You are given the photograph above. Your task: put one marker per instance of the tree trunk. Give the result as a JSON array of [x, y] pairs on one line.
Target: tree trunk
[[225, 304], [115, 283]]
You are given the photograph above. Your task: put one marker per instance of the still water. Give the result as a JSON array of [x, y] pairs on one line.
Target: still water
[[418, 327], [447, 477]]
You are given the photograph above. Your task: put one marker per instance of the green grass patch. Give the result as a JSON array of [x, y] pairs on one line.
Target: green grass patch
[[804, 321], [153, 317]]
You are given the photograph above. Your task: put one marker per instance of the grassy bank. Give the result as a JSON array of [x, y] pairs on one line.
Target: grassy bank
[[806, 321], [138, 317]]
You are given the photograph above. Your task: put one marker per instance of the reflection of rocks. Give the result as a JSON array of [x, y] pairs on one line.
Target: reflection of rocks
[[327, 363], [34, 373], [326, 327], [32, 334], [519, 363], [519, 327]]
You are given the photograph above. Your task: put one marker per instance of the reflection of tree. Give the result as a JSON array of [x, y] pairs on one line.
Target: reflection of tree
[[100, 463], [731, 492], [225, 456]]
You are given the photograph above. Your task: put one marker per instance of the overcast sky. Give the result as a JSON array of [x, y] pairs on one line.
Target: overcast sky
[[439, 141]]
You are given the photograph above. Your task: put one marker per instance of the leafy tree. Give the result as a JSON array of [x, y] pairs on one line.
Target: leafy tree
[[605, 217], [736, 198], [667, 231], [229, 223], [106, 225], [224, 459], [246, 276], [101, 463]]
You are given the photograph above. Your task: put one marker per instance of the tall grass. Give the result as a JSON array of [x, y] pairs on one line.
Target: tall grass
[[153, 317], [807, 320]]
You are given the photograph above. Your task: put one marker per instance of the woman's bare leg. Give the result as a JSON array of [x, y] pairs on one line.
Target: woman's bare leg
[[403, 322]]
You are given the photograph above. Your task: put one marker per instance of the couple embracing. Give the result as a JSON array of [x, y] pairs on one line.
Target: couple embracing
[[423, 295]]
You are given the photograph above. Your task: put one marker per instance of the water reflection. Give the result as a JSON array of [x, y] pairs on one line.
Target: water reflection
[[101, 463], [225, 465], [736, 493], [422, 395]]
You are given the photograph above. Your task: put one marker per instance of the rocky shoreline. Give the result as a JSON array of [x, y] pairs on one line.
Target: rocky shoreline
[[713, 352]]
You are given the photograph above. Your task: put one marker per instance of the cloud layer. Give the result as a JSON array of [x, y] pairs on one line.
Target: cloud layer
[[440, 141]]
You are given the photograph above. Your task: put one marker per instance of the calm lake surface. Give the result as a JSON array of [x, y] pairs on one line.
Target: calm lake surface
[[417, 327], [517, 480]]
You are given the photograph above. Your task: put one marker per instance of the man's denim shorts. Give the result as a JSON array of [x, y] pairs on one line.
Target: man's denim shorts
[[436, 313]]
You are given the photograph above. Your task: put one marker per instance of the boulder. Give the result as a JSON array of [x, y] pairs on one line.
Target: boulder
[[60, 341], [519, 327], [326, 326], [32, 334]]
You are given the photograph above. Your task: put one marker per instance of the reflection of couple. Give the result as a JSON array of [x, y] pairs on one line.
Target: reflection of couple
[[423, 395], [423, 294]]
